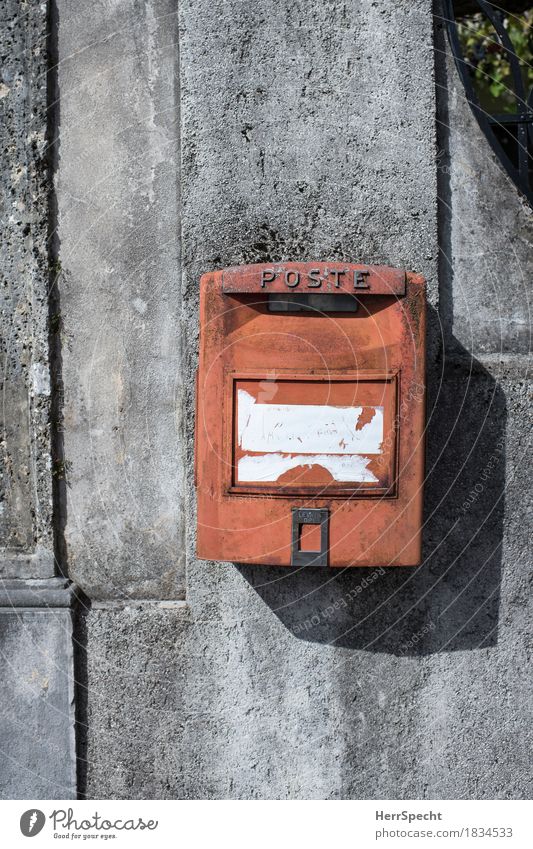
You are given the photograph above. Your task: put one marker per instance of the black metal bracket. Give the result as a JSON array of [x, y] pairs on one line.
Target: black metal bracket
[[310, 516], [521, 120]]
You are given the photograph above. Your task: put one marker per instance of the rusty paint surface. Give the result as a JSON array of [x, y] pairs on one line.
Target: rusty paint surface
[[305, 410]]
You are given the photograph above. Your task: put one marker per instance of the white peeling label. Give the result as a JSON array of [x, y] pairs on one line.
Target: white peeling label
[[269, 467], [291, 435]]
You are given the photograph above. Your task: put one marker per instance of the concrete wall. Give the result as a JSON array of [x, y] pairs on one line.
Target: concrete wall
[[203, 134], [486, 233], [307, 131], [36, 712], [119, 233], [25, 484], [37, 744]]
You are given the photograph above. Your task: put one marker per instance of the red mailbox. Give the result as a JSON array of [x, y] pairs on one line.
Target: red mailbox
[[310, 415]]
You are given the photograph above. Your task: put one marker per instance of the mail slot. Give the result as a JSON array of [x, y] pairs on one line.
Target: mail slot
[[310, 415]]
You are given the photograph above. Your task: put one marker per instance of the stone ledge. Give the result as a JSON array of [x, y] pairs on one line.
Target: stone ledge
[[54, 592], [135, 603], [504, 364], [37, 564]]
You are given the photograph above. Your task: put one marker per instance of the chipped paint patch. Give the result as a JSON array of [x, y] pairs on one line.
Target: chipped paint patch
[[283, 437], [270, 467], [308, 428]]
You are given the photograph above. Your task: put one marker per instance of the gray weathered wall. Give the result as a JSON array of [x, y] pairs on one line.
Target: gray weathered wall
[[25, 480], [36, 711], [37, 746], [486, 233], [308, 131], [119, 233], [201, 134]]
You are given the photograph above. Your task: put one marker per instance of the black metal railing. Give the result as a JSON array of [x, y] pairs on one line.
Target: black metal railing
[[509, 133]]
